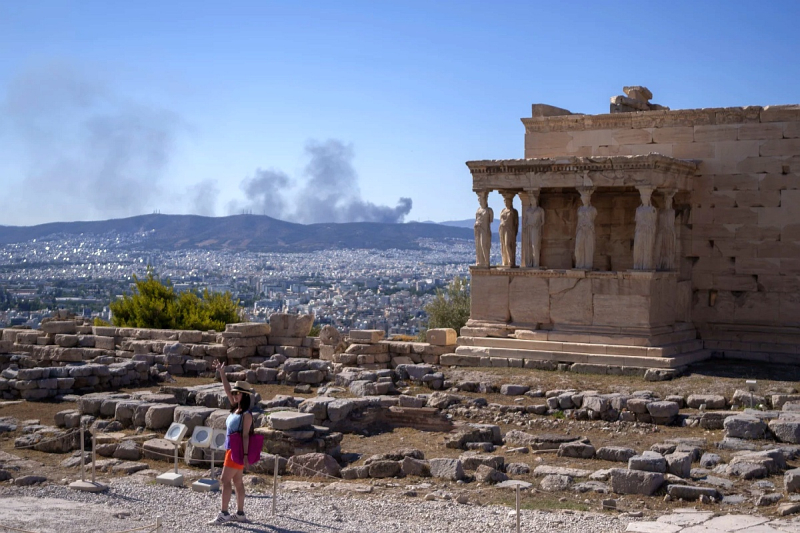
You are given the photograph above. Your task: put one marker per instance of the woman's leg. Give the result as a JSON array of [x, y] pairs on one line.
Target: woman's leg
[[238, 480], [227, 475]]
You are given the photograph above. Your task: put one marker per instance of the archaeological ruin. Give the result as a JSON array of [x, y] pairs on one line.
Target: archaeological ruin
[[650, 237]]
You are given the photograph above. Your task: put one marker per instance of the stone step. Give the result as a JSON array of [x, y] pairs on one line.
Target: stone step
[[670, 350], [646, 339], [574, 357]]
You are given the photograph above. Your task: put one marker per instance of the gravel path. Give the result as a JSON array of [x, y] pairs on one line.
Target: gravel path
[[133, 503]]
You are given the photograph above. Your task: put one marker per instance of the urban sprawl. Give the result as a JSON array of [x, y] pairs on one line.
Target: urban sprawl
[[350, 289]]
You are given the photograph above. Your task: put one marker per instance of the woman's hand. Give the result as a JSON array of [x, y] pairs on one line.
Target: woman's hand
[[218, 364]]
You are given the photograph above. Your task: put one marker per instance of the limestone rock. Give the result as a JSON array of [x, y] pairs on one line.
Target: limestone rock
[[679, 464], [577, 450], [487, 474], [384, 469], [791, 480], [786, 430], [619, 454], [289, 420], [691, 493], [648, 462], [517, 469], [744, 427], [313, 465], [635, 481], [555, 482], [446, 468], [415, 467]]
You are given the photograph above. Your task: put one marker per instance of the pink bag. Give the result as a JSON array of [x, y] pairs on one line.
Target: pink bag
[[236, 446]]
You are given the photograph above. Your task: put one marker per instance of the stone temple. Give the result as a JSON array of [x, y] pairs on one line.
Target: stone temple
[[646, 237]]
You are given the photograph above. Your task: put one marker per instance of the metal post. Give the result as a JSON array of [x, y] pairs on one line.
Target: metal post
[[83, 456], [94, 456], [176, 457], [158, 524], [274, 484], [213, 454], [517, 508]]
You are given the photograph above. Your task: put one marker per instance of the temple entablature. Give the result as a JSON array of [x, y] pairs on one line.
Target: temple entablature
[[655, 170]]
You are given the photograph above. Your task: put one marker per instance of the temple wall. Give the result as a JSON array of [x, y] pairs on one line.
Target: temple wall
[[739, 228]]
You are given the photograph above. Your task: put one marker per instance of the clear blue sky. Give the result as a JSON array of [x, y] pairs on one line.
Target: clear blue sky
[[111, 109]]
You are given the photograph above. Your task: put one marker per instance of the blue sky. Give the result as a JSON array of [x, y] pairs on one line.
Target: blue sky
[[337, 110]]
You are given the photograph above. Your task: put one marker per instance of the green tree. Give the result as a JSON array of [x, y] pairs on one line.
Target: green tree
[[450, 308], [154, 304]]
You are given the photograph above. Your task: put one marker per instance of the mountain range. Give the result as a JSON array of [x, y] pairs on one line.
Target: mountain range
[[257, 233]]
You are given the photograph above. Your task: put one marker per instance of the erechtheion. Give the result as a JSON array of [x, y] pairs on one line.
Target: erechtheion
[[650, 237]]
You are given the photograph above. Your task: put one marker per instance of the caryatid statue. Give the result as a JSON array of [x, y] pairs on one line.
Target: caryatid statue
[[509, 225], [483, 230], [644, 238], [532, 222], [666, 241], [584, 235]]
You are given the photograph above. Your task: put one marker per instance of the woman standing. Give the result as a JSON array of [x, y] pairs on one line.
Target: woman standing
[[240, 420]]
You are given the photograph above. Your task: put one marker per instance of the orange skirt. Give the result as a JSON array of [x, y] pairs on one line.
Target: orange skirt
[[230, 463]]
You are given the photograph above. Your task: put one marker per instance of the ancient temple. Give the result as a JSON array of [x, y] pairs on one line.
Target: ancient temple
[[646, 237]]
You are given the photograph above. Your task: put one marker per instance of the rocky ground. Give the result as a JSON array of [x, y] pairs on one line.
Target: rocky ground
[[558, 500]]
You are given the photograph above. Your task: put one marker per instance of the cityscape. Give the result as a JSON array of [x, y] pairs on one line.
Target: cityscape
[[347, 288]]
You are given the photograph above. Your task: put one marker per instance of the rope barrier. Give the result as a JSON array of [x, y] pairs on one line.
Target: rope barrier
[[74, 431]]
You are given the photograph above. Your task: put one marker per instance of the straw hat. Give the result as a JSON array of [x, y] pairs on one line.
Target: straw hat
[[243, 387]]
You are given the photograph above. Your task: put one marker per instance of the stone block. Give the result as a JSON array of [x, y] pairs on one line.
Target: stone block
[[691, 493], [679, 464], [441, 336], [791, 480], [54, 327], [648, 462], [579, 450], [635, 481], [744, 427], [711, 401], [619, 454], [446, 468], [369, 336], [289, 420], [786, 430], [159, 416]]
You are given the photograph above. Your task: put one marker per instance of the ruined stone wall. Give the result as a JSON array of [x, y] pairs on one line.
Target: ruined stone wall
[[740, 226]]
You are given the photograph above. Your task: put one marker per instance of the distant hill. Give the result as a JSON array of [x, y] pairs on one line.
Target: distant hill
[[470, 223], [258, 233]]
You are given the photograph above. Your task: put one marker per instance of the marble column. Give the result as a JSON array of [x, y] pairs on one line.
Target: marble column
[[584, 234], [483, 230], [666, 240], [532, 223], [509, 226], [644, 238]]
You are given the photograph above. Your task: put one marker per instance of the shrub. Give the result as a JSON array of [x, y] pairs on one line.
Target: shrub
[[450, 308], [154, 304]]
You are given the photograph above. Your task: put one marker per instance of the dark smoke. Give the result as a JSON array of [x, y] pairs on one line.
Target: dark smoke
[[328, 193], [265, 194], [90, 153], [203, 198]]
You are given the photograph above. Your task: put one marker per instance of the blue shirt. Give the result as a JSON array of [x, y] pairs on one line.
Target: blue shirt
[[233, 424]]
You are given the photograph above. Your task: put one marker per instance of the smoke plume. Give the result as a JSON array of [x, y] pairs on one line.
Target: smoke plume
[[203, 198], [88, 153], [327, 192]]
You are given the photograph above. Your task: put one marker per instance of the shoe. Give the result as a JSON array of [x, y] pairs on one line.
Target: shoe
[[222, 518], [240, 517]]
